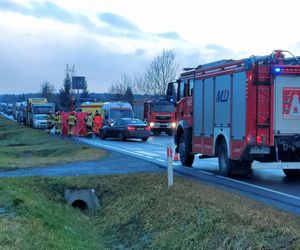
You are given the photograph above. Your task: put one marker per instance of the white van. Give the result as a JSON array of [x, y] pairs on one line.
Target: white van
[[116, 110]]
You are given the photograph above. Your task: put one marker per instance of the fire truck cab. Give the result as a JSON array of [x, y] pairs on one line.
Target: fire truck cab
[[160, 116], [245, 112]]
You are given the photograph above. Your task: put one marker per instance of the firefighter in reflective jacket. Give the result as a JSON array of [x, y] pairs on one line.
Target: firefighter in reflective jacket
[[50, 122], [58, 123], [71, 123], [97, 122], [88, 121]]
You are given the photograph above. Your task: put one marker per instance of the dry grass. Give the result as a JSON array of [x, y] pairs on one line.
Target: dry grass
[[140, 212], [23, 147]]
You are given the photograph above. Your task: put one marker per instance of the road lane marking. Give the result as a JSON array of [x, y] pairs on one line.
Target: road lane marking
[[146, 153]]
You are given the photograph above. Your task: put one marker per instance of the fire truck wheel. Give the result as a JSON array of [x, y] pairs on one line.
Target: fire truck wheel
[[225, 164], [121, 136], [186, 158], [292, 173], [102, 136]]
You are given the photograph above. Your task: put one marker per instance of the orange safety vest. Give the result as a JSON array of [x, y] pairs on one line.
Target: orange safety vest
[[98, 120]]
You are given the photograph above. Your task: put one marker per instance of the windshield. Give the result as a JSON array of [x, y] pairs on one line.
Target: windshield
[[162, 108], [42, 109], [120, 113], [40, 117]]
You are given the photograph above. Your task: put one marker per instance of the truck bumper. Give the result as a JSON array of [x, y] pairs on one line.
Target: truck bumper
[[275, 165]]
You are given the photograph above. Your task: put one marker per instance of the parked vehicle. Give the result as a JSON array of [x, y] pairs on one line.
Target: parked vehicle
[[92, 107], [37, 106], [160, 116], [240, 111], [116, 110], [9, 109], [39, 121], [124, 128]]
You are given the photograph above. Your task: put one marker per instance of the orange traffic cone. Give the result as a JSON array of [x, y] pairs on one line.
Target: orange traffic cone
[[176, 157]]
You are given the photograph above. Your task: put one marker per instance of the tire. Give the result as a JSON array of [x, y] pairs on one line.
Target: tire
[[241, 168], [170, 133], [144, 138], [225, 164], [186, 158], [121, 136], [292, 173], [102, 136]]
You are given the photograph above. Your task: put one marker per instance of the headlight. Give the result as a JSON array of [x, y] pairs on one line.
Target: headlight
[[152, 124], [173, 124]]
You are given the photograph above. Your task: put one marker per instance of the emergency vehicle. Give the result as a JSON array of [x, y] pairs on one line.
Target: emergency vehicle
[[241, 111], [92, 107], [116, 110], [160, 116]]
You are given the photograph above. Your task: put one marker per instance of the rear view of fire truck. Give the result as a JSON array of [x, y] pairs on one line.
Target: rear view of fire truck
[[246, 112]]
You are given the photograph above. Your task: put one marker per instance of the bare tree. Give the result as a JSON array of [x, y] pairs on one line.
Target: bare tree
[[119, 89], [161, 71], [143, 86]]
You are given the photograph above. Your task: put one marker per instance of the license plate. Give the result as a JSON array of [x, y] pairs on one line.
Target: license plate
[[260, 150], [140, 129], [163, 126]]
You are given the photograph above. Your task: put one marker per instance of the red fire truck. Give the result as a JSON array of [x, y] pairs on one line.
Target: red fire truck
[[160, 116], [242, 111]]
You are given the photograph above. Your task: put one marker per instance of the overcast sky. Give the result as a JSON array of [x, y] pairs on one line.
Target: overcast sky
[[105, 38]]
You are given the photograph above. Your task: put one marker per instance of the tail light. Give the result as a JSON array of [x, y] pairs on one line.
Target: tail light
[[147, 128], [130, 128], [250, 139]]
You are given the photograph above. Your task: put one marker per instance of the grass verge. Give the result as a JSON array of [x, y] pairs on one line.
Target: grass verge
[[138, 212], [23, 147]]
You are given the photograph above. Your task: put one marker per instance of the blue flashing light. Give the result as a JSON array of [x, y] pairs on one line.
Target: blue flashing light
[[277, 70]]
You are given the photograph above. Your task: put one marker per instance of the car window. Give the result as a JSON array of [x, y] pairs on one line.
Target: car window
[[135, 122]]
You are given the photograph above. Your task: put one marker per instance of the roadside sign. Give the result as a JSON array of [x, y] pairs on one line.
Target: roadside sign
[[78, 82]]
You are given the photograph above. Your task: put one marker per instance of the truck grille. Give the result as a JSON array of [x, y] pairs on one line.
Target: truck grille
[[163, 117]]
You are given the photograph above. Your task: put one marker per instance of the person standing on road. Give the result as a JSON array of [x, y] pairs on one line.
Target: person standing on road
[[88, 120], [97, 121], [50, 123], [58, 123], [71, 123]]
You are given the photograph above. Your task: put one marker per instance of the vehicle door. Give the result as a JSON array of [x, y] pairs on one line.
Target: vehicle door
[[115, 128]]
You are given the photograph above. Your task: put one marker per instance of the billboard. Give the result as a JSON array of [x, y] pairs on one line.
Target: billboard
[[78, 82]]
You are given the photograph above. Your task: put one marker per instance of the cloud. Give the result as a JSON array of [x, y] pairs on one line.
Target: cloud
[[46, 10], [118, 22], [170, 35]]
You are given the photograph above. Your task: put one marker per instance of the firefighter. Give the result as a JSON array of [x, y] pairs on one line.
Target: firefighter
[[71, 123], [58, 123], [88, 121], [50, 122], [97, 121]]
